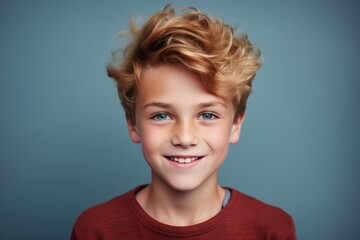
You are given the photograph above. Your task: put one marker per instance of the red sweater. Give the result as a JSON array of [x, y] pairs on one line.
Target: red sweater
[[243, 217]]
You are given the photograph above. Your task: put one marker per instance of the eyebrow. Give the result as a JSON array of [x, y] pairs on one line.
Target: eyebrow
[[211, 104], [157, 104], [167, 105]]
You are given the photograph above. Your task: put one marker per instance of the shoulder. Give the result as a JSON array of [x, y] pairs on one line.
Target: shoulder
[[102, 217], [101, 211], [98, 215], [258, 208], [264, 217]]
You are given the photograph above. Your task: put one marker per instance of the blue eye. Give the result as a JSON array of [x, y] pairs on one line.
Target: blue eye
[[208, 116], [161, 117]]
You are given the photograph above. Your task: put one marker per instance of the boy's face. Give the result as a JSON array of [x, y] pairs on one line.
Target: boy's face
[[184, 130]]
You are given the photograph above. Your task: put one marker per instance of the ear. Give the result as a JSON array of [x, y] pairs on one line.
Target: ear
[[236, 129], [133, 131]]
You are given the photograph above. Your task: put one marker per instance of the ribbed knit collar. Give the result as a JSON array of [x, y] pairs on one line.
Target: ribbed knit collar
[[178, 231]]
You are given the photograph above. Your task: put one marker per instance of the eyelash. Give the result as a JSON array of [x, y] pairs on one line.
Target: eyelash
[[207, 116], [156, 116]]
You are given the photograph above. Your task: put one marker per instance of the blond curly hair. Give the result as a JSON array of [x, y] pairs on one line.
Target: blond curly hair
[[226, 64]]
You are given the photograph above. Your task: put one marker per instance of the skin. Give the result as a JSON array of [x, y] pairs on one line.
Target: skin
[[185, 133]]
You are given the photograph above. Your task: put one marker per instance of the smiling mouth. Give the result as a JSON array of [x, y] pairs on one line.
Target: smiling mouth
[[183, 160]]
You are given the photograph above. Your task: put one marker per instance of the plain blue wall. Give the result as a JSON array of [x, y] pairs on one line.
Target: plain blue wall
[[63, 140]]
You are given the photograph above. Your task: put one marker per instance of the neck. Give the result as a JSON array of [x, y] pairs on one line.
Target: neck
[[181, 208]]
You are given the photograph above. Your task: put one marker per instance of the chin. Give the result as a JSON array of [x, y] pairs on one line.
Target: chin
[[185, 185]]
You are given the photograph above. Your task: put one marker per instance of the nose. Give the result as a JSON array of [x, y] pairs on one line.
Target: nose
[[184, 134]]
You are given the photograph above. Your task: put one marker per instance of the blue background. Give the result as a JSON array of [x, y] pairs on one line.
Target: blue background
[[63, 139]]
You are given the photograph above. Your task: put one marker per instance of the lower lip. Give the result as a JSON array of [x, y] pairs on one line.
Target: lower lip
[[185, 165]]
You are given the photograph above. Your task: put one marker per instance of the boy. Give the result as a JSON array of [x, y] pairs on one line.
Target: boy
[[183, 83]]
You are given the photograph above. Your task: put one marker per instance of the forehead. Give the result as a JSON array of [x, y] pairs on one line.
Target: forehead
[[173, 85], [167, 72], [168, 80]]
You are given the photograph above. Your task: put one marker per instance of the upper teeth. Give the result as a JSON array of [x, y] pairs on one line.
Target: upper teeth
[[183, 160]]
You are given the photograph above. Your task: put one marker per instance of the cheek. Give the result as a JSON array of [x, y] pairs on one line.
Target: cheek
[[150, 151], [152, 141], [219, 139]]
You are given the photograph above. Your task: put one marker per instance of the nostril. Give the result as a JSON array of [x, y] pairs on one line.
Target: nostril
[[184, 134]]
